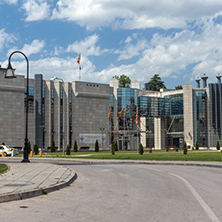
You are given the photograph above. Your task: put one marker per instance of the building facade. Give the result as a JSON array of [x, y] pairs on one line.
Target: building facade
[[69, 111]]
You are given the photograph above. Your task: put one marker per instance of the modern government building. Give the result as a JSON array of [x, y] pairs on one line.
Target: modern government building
[[69, 111]]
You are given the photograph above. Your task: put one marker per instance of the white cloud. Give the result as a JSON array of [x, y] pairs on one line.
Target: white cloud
[[87, 46], [35, 47], [36, 10], [8, 1], [131, 50], [5, 38], [131, 14]]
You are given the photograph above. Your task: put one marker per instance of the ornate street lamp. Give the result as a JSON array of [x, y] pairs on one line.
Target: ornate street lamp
[[11, 74]]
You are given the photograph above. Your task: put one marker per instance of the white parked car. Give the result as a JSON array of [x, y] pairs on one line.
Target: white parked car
[[6, 149]]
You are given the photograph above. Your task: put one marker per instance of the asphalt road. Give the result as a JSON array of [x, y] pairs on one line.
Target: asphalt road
[[127, 192]]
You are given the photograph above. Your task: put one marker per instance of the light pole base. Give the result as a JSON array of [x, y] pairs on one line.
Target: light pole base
[[25, 161]]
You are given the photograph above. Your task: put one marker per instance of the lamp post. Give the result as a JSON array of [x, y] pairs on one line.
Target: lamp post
[[63, 114], [11, 74]]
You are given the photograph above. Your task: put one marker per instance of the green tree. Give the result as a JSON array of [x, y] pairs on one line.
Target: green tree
[[75, 147], [197, 145], [124, 81], [141, 150], [113, 148], [218, 145], [29, 146], [53, 146], [185, 148], [36, 149], [68, 151], [156, 83], [96, 146], [116, 145], [178, 87]]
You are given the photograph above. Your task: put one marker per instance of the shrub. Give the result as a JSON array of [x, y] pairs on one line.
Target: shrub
[[96, 146], [116, 145], [68, 152], [185, 148], [29, 146], [218, 145], [197, 145], [53, 146], [75, 147], [141, 150], [113, 147], [36, 149]]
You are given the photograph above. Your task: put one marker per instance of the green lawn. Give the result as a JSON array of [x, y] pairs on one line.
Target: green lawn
[[192, 155], [3, 168]]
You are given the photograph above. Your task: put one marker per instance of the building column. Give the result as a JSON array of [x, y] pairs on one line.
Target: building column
[[188, 114], [143, 131]]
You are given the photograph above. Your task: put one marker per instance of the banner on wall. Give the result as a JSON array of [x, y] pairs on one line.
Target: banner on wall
[[86, 138]]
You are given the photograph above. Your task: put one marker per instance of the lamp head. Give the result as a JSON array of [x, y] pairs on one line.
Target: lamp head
[[10, 72]]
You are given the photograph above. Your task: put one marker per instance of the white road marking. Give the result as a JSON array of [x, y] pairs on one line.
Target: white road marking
[[206, 208]]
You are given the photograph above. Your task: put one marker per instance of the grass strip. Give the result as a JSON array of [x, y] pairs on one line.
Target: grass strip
[[192, 155]]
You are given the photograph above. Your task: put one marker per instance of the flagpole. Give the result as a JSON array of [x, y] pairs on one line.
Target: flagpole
[[79, 73]]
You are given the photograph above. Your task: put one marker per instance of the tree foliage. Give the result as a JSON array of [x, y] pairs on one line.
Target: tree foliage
[[218, 145], [185, 148], [96, 146], [53, 146], [124, 81], [113, 148], [36, 149], [178, 87], [197, 145], [75, 147], [141, 150], [68, 151], [156, 83]]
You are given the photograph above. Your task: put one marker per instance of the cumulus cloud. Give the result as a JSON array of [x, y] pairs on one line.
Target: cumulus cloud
[[130, 14], [35, 47], [36, 10], [5, 39], [87, 46], [8, 1]]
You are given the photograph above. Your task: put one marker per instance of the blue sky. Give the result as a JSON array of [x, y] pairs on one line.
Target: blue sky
[[179, 40]]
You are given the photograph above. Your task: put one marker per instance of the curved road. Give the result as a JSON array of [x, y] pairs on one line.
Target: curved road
[[127, 192]]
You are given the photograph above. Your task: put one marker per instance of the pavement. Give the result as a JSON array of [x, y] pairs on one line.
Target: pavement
[[26, 180], [41, 176]]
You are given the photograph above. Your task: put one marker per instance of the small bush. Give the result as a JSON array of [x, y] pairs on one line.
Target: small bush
[[96, 146], [197, 145], [36, 149], [113, 147], [218, 145], [75, 147], [53, 146], [68, 151], [141, 150], [116, 145], [185, 148]]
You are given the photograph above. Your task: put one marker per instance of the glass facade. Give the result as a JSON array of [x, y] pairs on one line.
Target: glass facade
[[200, 117], [127, 98], [30, 100]]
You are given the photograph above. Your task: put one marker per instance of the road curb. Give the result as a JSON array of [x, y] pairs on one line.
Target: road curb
[[36, 192]]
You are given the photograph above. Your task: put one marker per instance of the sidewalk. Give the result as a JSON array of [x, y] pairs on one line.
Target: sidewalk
[[25, 180]]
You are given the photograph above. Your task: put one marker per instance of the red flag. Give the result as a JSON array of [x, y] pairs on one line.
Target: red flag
[[137, 116], [78, 60], [122, 112], [109, 115]]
